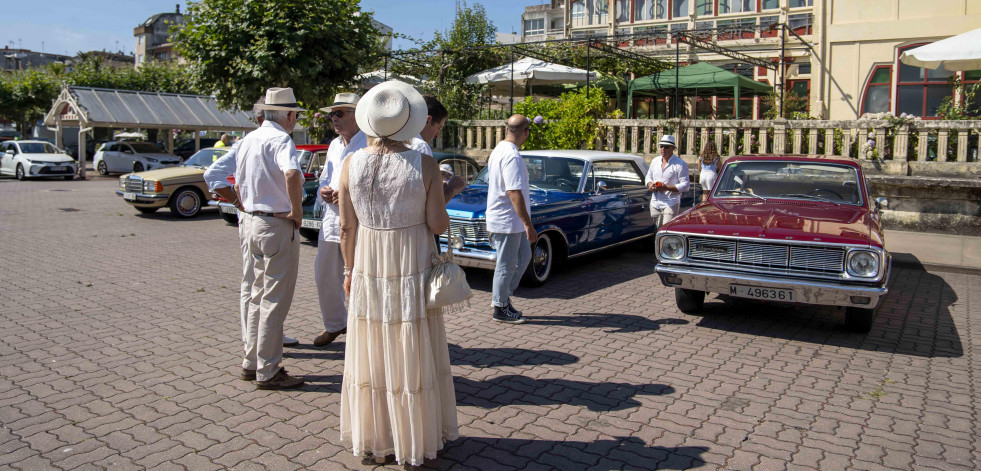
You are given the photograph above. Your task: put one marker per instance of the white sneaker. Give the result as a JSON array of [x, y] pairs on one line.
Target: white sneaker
[[290, 341]]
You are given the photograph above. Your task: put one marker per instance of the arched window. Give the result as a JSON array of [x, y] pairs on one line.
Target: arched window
[[919, 91], [878, 90]]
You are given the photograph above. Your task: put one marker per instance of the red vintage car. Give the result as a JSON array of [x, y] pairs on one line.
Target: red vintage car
[[786, 229]]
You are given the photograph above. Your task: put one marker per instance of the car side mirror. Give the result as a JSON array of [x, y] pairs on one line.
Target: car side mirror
[[601, 186], [9, 151], [881, 203], [127, 151]]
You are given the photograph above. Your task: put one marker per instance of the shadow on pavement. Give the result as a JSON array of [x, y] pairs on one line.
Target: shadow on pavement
[[334, 351], [599, 455], [580, 276], [619, 323], [502, 356], [515, 389], [913, 319], [165, 214]]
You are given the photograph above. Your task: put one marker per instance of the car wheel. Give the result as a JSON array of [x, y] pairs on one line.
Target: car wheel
[[859, 319], [20, 172], [230, 218], [185, 202], [101, 168], [138, 167], [146, 210], [689, 301], [542, 258]]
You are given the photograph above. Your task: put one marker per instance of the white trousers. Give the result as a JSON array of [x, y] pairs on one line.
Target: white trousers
[[274, 255], [663, 215], [328, 273]]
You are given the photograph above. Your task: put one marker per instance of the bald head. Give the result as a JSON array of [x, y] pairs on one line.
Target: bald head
[[517, 127]]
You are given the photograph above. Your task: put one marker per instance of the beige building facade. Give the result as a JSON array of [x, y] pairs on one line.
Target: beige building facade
[[843, 58]]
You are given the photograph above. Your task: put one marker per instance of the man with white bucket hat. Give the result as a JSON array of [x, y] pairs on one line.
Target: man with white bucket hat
[[667, 177], [269, 184]]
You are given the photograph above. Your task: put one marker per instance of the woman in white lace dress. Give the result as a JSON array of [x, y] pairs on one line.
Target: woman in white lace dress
[[397, 396]]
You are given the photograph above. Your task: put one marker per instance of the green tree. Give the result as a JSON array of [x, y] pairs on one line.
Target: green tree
[[967, 107], [567, 123], [237, 48], [26, 96]]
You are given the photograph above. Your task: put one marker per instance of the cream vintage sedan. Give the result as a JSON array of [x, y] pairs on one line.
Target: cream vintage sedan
[[181, 188]]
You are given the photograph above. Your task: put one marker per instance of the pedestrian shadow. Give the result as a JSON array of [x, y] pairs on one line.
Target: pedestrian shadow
[[618, 323], [581, 276], [503, 356], [334, 351], [321, 383], [630, 453], [912, 319], [509, 390]]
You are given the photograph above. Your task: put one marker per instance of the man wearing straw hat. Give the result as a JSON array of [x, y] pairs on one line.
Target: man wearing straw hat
[[667, 177], [269, 184], [329, 266]]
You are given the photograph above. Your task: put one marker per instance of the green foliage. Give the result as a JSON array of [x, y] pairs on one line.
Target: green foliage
[[568, 123], [967, 108], [25, 96], [236, 49], [795, 105]]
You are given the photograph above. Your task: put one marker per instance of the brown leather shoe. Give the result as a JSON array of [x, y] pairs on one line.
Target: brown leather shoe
[[325, 338], [280, 380], [247, 375]]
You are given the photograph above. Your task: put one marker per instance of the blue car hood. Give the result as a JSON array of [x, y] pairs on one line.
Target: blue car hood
[[471, 203]]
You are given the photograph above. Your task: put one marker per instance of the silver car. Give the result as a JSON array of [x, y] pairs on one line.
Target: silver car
[[126, 157]]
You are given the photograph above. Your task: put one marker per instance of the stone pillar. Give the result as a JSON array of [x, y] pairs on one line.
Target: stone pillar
[[829, 141], [962, 145], [942, 137], [648, 134], [634, 139], [863, 137], [733, 141], [812, 141], [763, 139], [900, 143], [779, 136], [880, 142], [921, 147], [689, 143], [846, 142]]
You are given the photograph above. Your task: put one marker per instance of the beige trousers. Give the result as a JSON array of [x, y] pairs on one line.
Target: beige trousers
[[328, 272], [663, 215], [274, 255]]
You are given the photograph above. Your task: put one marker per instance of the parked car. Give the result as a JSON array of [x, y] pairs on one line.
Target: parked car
[[181, 188], [185, 148], [33, 159], [9, 135], [581, 202], [125, 157], [462, 165], [789, 229], [91, 145], [312, 158]]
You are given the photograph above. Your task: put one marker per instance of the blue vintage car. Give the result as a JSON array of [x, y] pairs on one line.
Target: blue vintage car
[[581, 202]]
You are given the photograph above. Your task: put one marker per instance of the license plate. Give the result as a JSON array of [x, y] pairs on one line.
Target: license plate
[[228, 209], [310, 224], [58, 169], [758, 292], [129, 196]]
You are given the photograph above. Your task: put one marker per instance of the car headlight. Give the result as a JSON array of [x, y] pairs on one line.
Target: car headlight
[[672, 247], [456, 242], [151, 159], [863, 263], [149, 186]]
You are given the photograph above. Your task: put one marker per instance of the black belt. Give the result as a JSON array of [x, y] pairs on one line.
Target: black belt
[[263, 213]]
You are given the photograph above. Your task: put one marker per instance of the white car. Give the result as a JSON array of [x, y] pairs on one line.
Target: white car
[[126, 157], [32, 159]]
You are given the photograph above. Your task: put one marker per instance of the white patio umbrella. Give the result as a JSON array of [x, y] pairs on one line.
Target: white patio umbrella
[[529, 72], [961, 52], [375, 77]]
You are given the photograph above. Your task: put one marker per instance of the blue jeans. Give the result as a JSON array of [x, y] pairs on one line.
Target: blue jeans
[[513, 255]]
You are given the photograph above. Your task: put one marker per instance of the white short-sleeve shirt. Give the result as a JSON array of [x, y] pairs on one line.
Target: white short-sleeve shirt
[[330, 225], [417, 143], [264, 157], [506, 170]]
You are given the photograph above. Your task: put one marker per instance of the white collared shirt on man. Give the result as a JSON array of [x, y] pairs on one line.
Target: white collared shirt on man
[[420, 144], [675, 174], [262, 161], [506, 171], [330, 225]]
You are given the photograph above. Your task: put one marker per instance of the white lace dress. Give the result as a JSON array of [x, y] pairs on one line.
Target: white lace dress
[[397, 396]]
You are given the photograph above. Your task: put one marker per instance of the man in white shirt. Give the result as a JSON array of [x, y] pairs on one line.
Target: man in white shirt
[[434, 124], [269, 185], [329, 266], [509, 217], [216, 176], [667, 177]]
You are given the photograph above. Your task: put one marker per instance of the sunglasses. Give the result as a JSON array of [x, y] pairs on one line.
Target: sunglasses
[[337, 113], [662, 146]]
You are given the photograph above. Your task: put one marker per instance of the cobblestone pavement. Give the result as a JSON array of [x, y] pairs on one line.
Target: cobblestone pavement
[[120, 348]]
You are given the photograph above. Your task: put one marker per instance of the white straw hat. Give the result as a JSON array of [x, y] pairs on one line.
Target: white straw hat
[[280, 99], [667, 140], [446, 168], [392, 110], [343, 100]]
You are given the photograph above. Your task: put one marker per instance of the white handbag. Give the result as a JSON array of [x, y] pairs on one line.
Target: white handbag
[[447, 283]]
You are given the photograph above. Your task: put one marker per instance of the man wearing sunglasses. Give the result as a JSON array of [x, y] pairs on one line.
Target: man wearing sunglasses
[[329, 266], [667, 177]]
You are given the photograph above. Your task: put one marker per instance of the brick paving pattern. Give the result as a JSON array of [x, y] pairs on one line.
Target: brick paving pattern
[[120, 348]]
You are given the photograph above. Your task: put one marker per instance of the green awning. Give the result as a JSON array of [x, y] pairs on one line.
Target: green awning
[[699, 79]]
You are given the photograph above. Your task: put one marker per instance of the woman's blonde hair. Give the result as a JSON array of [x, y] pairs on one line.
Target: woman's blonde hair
[[710, 153], [385, 142]]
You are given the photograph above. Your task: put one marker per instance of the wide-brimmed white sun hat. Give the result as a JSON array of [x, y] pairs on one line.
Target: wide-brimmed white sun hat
[[343, 100], [667, 140], [392, 110], [280, 99], [445, 168]]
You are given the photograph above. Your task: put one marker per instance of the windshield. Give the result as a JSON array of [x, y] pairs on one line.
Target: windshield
[[547, 173], [145, 148], [38, 148], [815, 181], [303, 157], [204, 158]]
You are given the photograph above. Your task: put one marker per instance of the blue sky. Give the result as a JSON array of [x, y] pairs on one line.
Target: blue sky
[[69, 26]]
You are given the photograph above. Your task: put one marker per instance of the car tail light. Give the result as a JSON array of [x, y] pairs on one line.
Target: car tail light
[[309, 176], [231, 179]]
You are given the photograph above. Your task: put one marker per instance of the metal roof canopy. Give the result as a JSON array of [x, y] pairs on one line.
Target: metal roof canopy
[[107, 108]]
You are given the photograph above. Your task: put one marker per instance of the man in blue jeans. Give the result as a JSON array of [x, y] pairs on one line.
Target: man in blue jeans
[[509, 217]]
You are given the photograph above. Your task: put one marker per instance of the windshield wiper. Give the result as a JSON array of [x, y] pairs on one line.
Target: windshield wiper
[[743, 192], [813, 197], [533, 187]]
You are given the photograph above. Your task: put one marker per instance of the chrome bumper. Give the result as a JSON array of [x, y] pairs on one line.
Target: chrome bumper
[[143, 197], [825, 293], [475, 258]]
